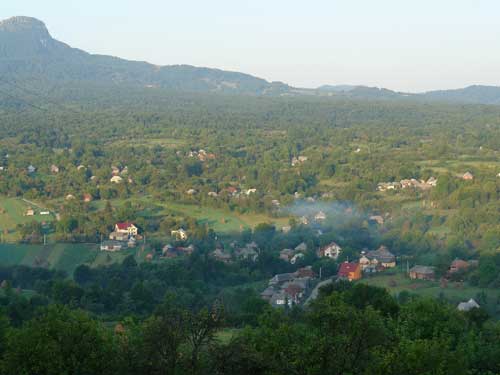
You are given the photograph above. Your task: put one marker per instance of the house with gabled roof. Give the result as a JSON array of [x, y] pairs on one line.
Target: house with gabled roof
[[349, 271], [382, 256], [126, 227], [332, 251], [422, 273]]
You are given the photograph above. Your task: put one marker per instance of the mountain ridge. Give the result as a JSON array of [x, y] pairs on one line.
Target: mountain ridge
[[28, 52]]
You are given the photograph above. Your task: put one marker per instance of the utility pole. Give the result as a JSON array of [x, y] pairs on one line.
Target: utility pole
[[44, 239]]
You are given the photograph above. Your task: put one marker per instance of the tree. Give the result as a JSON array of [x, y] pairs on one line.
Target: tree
[[60, 341]]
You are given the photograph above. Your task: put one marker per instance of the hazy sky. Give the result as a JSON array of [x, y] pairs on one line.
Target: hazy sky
[[410, 45]]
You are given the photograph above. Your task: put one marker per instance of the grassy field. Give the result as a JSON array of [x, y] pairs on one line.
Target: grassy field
[[65, 257], [12, 213], [224, 221], [461, 165], [454, 292]]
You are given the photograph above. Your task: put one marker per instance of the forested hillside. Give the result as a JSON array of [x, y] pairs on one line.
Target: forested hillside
[[29, 53]]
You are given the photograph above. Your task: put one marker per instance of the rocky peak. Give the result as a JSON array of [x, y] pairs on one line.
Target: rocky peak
[[23, 24]]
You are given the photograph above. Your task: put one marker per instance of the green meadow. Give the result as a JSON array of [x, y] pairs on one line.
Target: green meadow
[[13, 213], [64, 257]]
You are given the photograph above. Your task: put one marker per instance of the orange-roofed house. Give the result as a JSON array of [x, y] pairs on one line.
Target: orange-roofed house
[[350, 271]]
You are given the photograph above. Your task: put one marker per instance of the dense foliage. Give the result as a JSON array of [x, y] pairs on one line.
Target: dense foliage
[[349, 329]]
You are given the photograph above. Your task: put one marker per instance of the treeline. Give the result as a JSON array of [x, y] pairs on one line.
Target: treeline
[[348, 330]]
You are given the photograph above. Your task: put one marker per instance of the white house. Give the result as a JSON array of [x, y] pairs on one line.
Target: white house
[[116, 179], [331, 250], [180, 234]]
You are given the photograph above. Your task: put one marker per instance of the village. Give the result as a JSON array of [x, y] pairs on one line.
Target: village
[[422, 185], [407, 184], [295, 288], [284, 289]]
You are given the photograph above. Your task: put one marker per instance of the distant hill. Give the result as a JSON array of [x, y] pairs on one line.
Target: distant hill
[[472, 94], [27, 51]]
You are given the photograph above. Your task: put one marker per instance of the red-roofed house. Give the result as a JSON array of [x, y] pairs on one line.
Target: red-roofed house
[[350, 271], [126, 228]]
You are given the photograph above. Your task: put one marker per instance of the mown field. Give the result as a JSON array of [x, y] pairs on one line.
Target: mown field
[[65, 257], [461, 165]]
